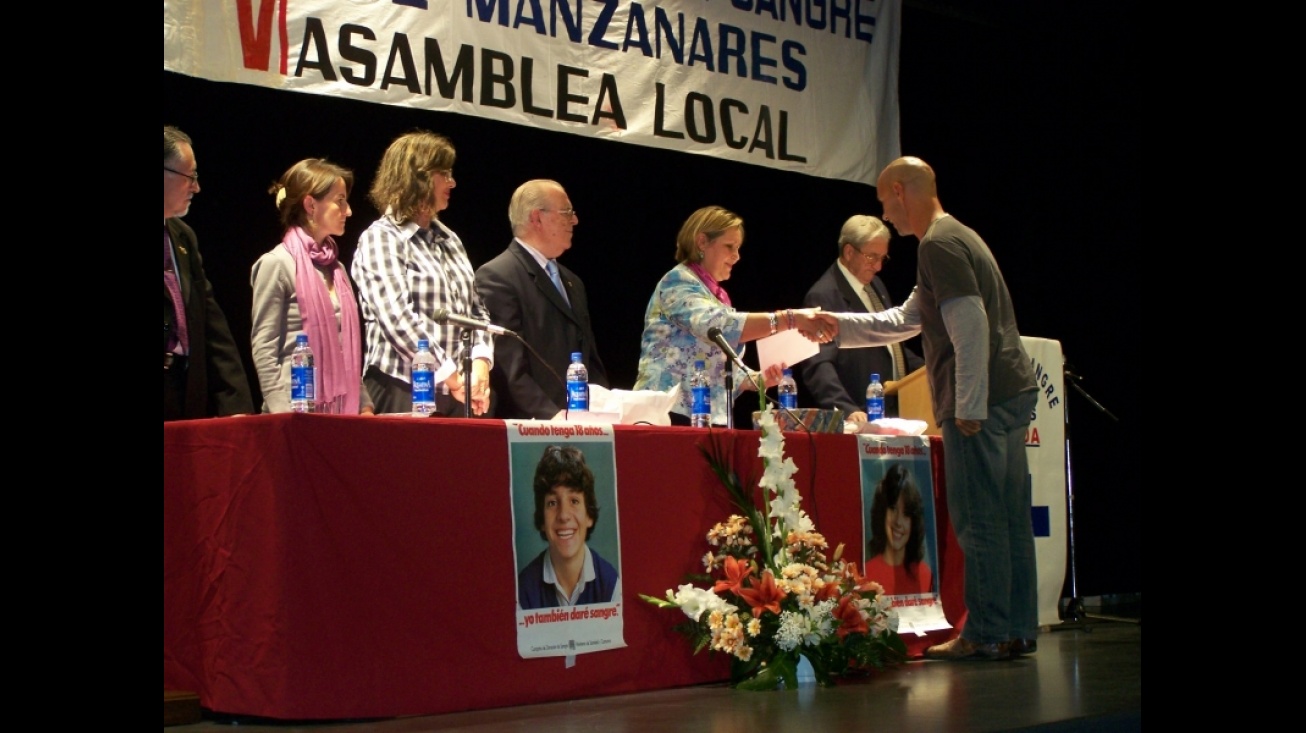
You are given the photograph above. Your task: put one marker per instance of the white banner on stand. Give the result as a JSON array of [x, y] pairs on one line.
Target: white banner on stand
[[1045, 444]]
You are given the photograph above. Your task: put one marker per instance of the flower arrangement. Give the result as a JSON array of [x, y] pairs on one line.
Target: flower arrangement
[[772, 597]]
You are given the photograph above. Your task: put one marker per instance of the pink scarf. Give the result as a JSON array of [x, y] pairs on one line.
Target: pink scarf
[[710, 282], [337, 349]]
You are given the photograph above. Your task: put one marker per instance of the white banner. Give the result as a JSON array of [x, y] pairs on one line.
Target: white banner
[[1045, 446], [799, 85]]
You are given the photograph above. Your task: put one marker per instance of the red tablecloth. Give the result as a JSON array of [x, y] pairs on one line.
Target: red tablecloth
[[326, 567]]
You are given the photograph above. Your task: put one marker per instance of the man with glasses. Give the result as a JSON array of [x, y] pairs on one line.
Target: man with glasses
[[203, 375], [527, 291], [837, 378]]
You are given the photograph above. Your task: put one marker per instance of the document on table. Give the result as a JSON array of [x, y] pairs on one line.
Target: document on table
[[786, 347]]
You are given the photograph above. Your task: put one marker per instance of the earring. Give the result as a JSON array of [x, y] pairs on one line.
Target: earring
[[700, 255]]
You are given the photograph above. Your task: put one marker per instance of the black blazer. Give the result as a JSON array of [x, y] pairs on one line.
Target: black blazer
[[838, 377], [216, 383], [520, 297]]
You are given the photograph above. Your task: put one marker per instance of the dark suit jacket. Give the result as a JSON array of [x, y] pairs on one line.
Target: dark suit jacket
[[533, 592], [837, 377], [216, 383], [521, 297]]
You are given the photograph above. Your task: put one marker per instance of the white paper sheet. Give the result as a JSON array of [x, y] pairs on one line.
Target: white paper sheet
[[786, 347]]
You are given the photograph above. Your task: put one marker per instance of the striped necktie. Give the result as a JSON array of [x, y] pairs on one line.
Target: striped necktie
[[552, 268], [899, 360]]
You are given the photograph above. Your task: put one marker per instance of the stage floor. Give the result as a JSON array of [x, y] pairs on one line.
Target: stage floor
[[1085, 677]]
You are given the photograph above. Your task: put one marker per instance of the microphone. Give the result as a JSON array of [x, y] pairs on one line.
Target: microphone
[[719, 339], [444, 317]]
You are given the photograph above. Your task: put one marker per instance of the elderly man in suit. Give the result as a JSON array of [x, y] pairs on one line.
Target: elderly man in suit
[[838, 377], [528, 292], [203, 375]]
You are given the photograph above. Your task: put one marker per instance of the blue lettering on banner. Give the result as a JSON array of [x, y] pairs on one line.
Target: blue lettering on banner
[[739, 52]]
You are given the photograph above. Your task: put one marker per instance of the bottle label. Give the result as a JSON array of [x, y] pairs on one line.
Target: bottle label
[[300, 378], [423, 386], [578, 396], [874, 408], [789, 400], [702, 402]]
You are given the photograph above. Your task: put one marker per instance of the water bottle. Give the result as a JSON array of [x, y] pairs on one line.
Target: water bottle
[[423, 376], [788, 390], [303, 377], [874, 398], [578, 385], [701, 391]]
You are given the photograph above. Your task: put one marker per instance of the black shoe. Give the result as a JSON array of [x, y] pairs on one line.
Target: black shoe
[[1021, 647]]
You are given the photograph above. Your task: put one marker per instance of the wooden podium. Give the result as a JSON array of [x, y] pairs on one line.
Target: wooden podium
[[914, 401]]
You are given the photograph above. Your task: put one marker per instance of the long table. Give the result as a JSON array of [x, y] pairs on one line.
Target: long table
[[327, 567]]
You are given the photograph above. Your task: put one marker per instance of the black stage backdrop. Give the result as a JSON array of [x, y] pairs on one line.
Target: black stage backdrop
[[1027, 115]]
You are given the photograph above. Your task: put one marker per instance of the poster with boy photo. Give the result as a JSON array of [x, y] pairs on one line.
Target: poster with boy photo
[[566, 543]]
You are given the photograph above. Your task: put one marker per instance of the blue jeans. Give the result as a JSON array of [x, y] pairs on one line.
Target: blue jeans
[[989, 502]]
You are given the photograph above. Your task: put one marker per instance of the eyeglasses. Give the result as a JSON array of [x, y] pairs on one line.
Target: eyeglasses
[[565, 213], [194, 177], [873, 258]]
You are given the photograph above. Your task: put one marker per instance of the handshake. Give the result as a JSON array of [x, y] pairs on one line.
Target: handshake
[[817, 325]]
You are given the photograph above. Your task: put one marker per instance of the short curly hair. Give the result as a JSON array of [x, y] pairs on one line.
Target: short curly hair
[[564, 466]]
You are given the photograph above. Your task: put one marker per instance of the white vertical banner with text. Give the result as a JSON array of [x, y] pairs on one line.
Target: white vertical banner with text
[[808, 86], [566, 544], [1045, 445]]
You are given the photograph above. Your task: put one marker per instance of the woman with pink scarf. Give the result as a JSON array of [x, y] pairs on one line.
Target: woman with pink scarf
[[301, 287]]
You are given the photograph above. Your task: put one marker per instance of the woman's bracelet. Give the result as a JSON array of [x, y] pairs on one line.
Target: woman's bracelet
[[775, 322]]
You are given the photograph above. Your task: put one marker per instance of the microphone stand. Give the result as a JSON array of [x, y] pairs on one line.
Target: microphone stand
[[467, 372], [730, 392], [1075, 614]]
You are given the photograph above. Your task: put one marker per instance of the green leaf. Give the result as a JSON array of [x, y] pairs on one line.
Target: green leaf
[[765, 679], [659, 602]]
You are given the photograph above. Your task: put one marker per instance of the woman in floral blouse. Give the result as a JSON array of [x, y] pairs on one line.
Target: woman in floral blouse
[[689, 301]]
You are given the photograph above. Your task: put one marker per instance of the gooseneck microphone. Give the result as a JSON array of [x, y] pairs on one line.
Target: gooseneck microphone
[[719, 339], [443, 317]]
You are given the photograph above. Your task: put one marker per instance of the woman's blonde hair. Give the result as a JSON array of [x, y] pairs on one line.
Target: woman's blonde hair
[[711, 221]]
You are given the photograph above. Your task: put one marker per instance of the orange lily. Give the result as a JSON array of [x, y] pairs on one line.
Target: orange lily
[[860, 583], [737, 571], [850, 616], [828, 591], [765, 596]]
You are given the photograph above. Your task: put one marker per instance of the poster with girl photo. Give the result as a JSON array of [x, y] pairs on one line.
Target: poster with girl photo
[[899, 527], [566, 544]]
